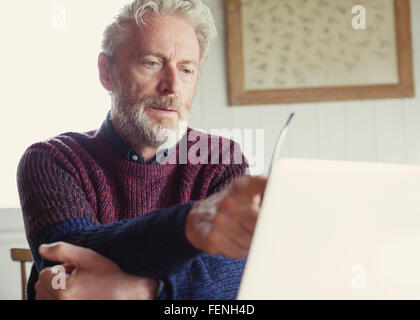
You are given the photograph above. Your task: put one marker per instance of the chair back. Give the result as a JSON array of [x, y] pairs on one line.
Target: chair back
[[23, 256]]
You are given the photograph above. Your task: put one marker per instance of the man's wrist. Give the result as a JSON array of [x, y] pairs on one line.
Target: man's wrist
[[136, 288]]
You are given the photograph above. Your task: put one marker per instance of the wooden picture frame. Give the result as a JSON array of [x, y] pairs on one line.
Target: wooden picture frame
[[239, 95]]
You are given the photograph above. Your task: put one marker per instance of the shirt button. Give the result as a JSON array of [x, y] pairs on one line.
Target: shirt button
[[135, 158]]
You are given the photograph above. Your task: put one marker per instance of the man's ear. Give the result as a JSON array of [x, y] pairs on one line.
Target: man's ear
[[105, 71]]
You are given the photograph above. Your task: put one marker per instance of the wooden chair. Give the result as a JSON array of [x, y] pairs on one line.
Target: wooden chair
[[22, 256]]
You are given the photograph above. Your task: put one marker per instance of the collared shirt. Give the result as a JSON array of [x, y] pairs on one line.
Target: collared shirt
[[121, 147]]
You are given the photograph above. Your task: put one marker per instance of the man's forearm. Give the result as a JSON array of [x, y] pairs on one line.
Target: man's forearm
[[152, 245]]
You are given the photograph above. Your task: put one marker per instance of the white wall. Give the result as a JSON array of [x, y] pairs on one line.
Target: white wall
[[374, 130], [12, 235], [49, 79]]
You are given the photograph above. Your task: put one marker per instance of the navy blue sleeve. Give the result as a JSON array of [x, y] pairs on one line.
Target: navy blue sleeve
[[205, 277], [151, 245]]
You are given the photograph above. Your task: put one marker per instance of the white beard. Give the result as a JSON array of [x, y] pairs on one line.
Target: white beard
[[137, 126]]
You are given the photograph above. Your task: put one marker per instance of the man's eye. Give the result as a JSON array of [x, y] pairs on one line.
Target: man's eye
[[151, 63], [186, 71]]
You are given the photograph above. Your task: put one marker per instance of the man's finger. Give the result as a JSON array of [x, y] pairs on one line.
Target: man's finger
[[70, 254], [249, 187], [45, 277], [234, 230], [69, 268], [43, 294], [221, 244], [44, 287], [244, 213]]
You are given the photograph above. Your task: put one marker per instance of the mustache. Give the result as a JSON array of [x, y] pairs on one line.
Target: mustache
[[164, 101]]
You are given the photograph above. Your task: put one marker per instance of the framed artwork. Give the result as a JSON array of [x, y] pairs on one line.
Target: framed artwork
[[291, 51]]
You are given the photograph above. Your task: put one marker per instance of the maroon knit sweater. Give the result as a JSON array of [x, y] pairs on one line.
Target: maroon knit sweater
[[72, 185]]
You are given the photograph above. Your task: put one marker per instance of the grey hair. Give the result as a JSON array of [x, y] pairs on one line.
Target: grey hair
[[193, 11]]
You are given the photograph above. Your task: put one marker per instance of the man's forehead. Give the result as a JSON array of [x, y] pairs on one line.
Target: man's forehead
[[162, 34]]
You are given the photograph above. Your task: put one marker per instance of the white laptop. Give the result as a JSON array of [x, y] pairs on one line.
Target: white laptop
[[336, 230]]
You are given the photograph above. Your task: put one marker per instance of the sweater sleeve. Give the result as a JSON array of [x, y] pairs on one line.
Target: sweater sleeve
[[55, 208], [205, 277], [211, 277], [138, 245]]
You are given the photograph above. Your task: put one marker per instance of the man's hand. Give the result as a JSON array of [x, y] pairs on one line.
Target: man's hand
[[224, 223], [89, 276]]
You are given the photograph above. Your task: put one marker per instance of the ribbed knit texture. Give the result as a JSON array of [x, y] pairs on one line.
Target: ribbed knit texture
[[74, 188]]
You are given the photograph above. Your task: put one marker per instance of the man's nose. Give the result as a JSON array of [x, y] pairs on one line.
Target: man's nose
[[170, 83]]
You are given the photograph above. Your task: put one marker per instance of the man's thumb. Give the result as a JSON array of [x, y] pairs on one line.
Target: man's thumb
[[255, 186], [70, 254]]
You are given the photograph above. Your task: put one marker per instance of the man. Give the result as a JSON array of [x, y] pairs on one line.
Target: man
[[136, 224]]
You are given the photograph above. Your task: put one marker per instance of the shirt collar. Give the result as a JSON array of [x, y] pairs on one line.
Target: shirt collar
[[121, 147]]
